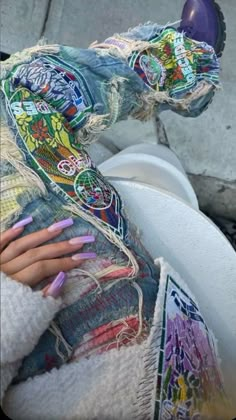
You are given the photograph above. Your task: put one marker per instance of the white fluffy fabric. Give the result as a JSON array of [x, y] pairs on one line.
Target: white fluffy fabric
[[119, 384], [25, 315]]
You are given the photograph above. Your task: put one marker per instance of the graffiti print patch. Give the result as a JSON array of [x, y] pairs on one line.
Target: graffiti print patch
[[189, 382]]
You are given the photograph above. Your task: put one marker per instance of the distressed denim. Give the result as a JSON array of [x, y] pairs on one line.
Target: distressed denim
[[71, 89], [120, 301]]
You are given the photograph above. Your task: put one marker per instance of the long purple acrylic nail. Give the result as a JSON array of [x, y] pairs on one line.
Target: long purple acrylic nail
[[84, 256], [61, 225], [55, 287], [82, 240], [23, 222]]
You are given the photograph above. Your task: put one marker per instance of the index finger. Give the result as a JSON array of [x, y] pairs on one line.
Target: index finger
[[8, 235]]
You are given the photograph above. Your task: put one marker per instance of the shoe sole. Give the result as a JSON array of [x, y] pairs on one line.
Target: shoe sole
[[220, 43]]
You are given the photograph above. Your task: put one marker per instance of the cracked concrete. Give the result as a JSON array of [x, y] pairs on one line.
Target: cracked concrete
[[215, 196]]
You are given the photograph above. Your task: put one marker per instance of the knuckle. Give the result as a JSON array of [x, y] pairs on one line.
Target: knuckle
[[66, 264], [32, 254], [14, 247], [40, 268], [60, 246]]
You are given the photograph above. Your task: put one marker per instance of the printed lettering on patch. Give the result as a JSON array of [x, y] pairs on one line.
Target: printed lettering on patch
[[58, 84], [169, 64], [189, 380], [49, 147]]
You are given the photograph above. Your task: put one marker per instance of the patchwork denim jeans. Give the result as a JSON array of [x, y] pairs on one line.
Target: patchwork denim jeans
[[53, 99]]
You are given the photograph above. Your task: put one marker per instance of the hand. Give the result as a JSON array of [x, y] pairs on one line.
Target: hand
[[29, 261]]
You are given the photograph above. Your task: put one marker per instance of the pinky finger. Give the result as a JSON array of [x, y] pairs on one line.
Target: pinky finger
[[55, 287], [40, 270]]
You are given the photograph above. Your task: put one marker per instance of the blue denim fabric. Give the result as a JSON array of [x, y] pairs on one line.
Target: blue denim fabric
[[118, 302], [99, 70], [95, 73], [87, 314]]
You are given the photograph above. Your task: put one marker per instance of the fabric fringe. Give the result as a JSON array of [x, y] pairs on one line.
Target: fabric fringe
[[140, 308], [125, 333], [145, 405], [114, 50], [111, 236], [53, 328], [25, 56], [146, 396], [93, 128], [131, 44], [12, 154], [96, 124], [149, 101]]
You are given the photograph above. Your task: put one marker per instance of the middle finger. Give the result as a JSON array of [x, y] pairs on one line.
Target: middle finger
[[50, 251]]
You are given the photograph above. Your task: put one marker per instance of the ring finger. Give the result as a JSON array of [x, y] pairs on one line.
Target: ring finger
[[38, 271]]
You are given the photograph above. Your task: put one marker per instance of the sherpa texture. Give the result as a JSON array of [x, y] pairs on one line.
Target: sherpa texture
[[24, 317], [118, 384]]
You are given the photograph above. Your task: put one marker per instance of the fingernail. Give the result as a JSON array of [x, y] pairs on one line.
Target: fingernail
[[82, 240], [84, 256], [23, 222], [55, 287], [61, 225]]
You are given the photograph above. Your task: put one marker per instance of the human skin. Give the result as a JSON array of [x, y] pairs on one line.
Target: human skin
[[30, 259]]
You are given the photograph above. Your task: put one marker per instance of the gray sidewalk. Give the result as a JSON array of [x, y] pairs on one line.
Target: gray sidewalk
[[206, 145]]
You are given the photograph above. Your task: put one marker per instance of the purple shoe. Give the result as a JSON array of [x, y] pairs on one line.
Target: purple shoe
[[203, 20]]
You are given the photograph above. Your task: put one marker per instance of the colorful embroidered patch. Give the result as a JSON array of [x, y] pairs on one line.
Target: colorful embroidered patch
[[66, 168], [93, 190], [59, 84], [175, 63], [189, 381], [151, 70]]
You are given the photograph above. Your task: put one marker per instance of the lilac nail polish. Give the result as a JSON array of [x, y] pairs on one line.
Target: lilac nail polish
[[82, 240], [23, 222], [61, 225], [84, 256], [56, 285]]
